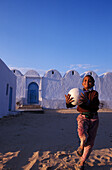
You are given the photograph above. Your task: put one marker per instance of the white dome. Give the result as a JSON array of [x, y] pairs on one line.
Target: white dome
[[32, 73], [17, 72], [71, 73], [92, 73], [54, 74]]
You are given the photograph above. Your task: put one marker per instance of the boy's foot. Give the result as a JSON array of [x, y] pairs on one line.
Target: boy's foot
[[79, 167], [80, 151]]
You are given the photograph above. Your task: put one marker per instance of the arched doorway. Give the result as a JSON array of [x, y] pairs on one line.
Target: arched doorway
[[33, 91]]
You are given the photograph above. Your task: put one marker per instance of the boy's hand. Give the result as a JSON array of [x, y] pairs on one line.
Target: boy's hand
[[83, 99], [68, 99]]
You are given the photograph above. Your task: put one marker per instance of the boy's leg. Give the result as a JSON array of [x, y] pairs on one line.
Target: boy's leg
[[83, 125], [91, 138], [86, 153]]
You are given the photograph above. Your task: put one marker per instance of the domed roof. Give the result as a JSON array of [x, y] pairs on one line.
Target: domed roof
[[32, 73], [70, 73], [106, 74], [92, 73], [53, 74], [17, 72]]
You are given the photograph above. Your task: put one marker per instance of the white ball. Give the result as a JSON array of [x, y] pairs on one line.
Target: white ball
[[75, 94]]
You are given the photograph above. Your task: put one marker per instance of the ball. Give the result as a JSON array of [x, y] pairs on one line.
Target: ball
[[75, 94]]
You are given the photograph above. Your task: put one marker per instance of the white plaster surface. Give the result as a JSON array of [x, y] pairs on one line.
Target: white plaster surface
[[71, 81], [106, 89], [32, 73], [53, 74], [6, 77], [17, 72]]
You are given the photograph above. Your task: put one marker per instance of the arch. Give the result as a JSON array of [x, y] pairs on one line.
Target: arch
[[71, 80], [105, 75], [53, 74], [71, 73], [32, 73], [92, 73], [33, 93], [17, 72]]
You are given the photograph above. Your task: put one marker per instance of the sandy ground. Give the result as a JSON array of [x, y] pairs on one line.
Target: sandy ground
[[49, 141]]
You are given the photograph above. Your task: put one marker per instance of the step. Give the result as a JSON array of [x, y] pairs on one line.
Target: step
[[31, 108]]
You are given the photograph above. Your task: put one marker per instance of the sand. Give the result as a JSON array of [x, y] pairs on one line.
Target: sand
[[49, 141]]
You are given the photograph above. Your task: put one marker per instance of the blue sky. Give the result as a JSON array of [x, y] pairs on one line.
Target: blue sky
[[56, 34]]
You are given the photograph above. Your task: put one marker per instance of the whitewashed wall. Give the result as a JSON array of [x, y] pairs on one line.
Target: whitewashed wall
[[53, 90], [106, 90], [53, 87], [6, 78], [20, 86], [71, 80]]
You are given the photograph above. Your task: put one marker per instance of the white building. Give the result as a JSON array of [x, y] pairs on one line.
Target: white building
[[49, 90], [7, 90]]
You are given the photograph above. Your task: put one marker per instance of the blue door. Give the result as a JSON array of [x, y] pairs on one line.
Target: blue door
[[10, 99], [33, 90]]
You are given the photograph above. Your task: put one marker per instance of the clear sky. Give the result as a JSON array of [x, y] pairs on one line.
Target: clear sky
[[56, 34]]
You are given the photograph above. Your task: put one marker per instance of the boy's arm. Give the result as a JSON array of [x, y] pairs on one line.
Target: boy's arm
[[92, 104]]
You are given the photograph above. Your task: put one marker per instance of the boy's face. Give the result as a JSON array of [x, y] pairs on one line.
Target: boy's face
[[87, 83]]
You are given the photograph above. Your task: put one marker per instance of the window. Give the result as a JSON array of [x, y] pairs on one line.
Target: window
[[52, 72], [7, 89], [10, 98], [72, 72]]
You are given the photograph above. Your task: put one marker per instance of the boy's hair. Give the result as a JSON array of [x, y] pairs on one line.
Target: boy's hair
[[90, 78]]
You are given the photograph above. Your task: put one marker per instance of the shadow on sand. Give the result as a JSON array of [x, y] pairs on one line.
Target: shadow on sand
[[49, 141]]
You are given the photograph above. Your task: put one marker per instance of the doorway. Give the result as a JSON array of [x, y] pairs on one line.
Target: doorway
[[33, 93]]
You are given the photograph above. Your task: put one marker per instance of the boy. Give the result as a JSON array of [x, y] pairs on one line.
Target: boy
[[87, 119]]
